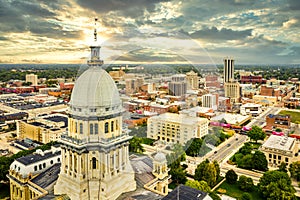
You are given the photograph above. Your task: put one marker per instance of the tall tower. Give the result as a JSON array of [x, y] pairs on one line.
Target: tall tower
[[228, 70], [95, 157]]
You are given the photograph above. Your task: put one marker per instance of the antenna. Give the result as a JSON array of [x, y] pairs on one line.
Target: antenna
[[95, 29]]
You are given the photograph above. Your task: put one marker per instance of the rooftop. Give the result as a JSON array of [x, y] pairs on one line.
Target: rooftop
[[36, 157], [179, 118], [47, 177], [279, 143], [183, 192]]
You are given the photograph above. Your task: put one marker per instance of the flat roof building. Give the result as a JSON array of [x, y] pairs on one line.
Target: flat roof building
[[278, 149], [176, 128]]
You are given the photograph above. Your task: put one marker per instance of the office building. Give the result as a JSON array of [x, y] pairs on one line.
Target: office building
[[178, 85], [233, 91], [32, 78], [192, 80], [251, 109], [209, 101], [278, 149], [278, 121], [176, 128], [228, 72]]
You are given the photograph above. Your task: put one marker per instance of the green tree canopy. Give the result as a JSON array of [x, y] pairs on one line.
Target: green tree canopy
[[193, 146], [208, 172], [245, 183], [259, 161], [256, 133], [295, 170], [276, 185], [135, 145], [178, 175], [245, 196], [199, 185], [231, 176]]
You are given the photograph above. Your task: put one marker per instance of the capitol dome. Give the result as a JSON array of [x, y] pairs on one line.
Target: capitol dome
[[95, 93]]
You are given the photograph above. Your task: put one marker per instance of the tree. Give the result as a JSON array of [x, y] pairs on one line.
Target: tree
[[256, 133], [295, 170], [193, 146], [199, 185], [135, 145], [246, 149], [259, 161], [245, 183], [282, 167], [246, 162], [276, 185], [245, 196], [231, 176], [179, 151], [178, 175], [208, 172]]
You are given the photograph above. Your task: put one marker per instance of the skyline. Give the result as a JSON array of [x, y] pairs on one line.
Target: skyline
[[160, 31]]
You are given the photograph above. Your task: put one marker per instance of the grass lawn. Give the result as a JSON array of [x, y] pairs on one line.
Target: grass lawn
[[295, 116], [234, 191], [4, 190]]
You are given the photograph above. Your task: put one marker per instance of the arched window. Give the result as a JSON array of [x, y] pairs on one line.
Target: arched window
[[94, 163], [91, 129], [106, 127], [112, 126], [81, 128], [96, 129]]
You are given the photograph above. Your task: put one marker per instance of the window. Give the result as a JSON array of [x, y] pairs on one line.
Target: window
[[112, 126], [96, 129], [35, 168], [51, 162], [286, 160], [91, 129], [270, 155], [81, 128], [279, 157], [40, 166], [75, 127], [94, 162], [58, 159], [44, 165], [117, 125], [106, 127]]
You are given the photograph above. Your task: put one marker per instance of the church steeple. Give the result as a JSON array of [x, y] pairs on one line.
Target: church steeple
[[95, 49]]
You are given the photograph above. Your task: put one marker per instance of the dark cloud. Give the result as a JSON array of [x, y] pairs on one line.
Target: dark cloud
[[294, 4], [132, 8], [222, 34], [2, 38]]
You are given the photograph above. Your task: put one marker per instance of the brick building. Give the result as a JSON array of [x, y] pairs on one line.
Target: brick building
[[278, 121]]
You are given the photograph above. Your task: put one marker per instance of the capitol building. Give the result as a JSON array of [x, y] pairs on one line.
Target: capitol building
[[94, 152]]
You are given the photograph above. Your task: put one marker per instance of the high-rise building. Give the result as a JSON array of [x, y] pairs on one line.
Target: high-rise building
[[233, 91], [95, 155], [32, 78], [133, 85], [178, 85], [209, 101], [228, 70], [192, 80]]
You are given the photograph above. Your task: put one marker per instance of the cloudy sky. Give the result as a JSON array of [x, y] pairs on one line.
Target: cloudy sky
[[151, 31]]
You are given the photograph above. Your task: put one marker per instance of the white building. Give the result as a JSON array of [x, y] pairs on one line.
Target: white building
[[176, 128], [278, 149], [209, 101], [32, 78], [250, 109]]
